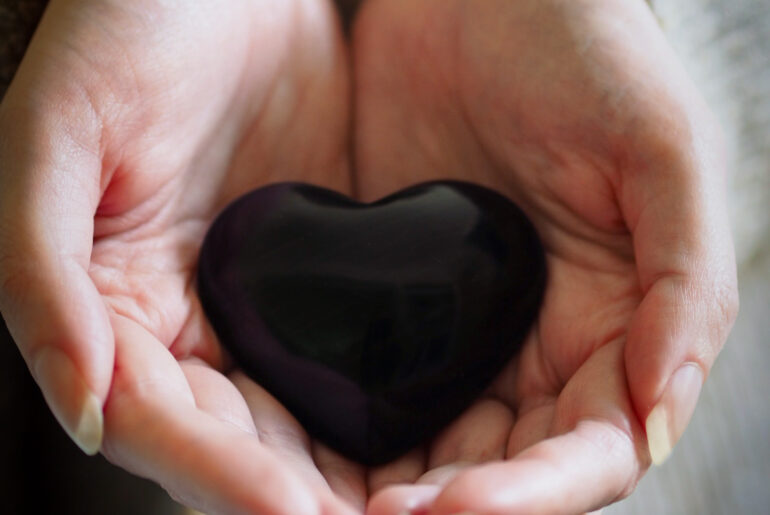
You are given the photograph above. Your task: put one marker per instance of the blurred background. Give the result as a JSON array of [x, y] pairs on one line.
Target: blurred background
[[722, 464]]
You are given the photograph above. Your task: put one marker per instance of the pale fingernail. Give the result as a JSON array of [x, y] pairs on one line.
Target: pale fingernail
[[74, 405], [669, 418]]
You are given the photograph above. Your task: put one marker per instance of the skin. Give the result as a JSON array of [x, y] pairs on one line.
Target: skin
[[129, 125]]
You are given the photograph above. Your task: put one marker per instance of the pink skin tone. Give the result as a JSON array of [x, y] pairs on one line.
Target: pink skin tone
[[130, 124]]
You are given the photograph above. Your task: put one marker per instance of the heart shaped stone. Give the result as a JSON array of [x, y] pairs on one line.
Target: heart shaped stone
[[374, 324]]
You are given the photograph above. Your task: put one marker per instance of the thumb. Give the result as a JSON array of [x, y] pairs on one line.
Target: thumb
[[677, 211], [49, 191]]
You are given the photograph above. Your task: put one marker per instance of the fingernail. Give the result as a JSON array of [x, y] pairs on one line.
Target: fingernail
[[669, 418], [74, 405]]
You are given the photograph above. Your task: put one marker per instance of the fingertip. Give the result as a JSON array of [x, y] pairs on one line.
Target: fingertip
[[661, 337], [404, 470], [403, 499], [216, 395], [460, 492], [671, 346], [480, 434], [669, 418], [75, 406], [345, 478]]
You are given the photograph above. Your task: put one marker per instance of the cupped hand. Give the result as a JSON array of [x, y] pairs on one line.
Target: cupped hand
[[128, 126], [579, 111]]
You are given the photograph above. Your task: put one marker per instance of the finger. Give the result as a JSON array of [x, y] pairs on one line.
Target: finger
[[532, 387], [197, 338], [413, 498], [155, 430], [404, 486], [442, 476], [531, 427], [479, 434], [596, 456], [404, 470], [674, 203], [49, 189], [216, 395], [278, 430], [400, 499], [346, 478], [541, 480]]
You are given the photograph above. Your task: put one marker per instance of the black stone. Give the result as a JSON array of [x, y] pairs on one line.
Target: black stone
[[374, 324]]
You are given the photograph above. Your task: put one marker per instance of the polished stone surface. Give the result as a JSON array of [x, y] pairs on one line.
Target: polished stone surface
[[374, 324]]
